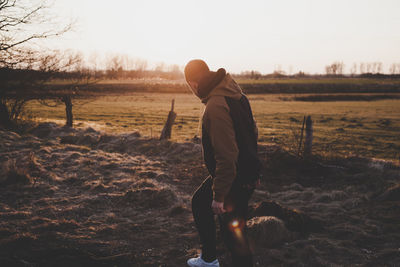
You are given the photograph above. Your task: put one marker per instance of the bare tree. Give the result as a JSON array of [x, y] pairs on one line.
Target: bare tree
[[128, 62], [22, 67], [353, 69], [340, 68], [379, 67], [73, 89], [369, 67], [114, 66], [336, 68], [93, 64], [375, 67], [328, 70], [160, 67], [362, 68], [17, 19], [141, 64], [23, 85], [392, 69]]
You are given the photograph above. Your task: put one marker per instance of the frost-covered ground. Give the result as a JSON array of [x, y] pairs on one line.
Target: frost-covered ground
[[80, 197]]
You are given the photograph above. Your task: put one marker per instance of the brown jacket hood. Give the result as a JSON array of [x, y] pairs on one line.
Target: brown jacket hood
[[218, 83]]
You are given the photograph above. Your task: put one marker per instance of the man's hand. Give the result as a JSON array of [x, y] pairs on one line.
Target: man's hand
[[218, 207]]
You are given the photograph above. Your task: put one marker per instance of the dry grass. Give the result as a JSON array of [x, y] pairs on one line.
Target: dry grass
[[124, 200], [12, 174], [362, 128]]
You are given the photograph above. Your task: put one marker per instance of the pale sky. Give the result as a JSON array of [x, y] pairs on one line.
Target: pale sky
[[238, 35]]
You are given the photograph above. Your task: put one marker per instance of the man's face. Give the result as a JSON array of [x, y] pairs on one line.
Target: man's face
[[194, 86]]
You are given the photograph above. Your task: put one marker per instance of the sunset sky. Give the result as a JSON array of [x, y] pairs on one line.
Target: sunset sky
[[239, 35]]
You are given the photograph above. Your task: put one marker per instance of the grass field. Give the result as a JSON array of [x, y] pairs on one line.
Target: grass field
[[289, 80], [369, 129], [322, 80], [305, 85]]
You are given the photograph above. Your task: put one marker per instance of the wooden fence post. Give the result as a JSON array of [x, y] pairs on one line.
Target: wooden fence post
[[309, 137], [301, 136], [166, 131]]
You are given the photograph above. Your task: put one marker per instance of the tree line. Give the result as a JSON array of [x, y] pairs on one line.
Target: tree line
[[337, 68]]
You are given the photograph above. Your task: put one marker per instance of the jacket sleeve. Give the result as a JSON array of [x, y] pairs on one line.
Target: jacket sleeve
[[222, 134]]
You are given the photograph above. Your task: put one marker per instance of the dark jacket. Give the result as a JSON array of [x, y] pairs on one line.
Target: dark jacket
[[229, 133]]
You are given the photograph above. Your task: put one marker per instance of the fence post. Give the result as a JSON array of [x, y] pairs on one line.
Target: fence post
[[166, 131], [309, 137], [301, 136]]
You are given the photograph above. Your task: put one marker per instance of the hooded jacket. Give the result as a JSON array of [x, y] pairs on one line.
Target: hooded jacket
[[229, 133]]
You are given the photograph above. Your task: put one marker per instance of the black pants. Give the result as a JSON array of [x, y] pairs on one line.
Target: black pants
[[232, 223]]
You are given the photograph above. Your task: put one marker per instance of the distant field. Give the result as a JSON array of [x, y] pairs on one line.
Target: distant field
[[322, 80], [272, 86], [370, 129], [305, 80]]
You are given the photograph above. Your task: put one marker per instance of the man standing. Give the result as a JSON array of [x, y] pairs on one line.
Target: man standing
[[229, 139]]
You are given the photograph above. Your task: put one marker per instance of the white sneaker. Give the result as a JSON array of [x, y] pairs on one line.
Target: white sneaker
[[199, 262]]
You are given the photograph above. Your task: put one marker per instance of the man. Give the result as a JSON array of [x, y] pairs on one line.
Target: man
[[229, 139]]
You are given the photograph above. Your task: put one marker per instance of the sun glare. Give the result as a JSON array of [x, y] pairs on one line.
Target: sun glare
[[241, 35]]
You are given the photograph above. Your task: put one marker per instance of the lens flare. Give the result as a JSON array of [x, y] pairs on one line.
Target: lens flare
[[235, 224], [236, 227]]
